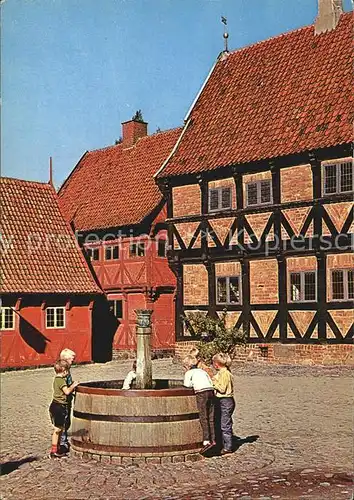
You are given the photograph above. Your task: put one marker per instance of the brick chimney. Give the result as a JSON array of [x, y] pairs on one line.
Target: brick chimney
[[329, 12], [132, 131]]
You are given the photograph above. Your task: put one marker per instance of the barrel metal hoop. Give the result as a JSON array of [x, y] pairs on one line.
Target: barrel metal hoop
[[134, 419], [131, 393], [134, 449]]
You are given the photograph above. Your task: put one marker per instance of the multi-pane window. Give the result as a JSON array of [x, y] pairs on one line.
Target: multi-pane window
[[259, 193], [220, 199], [228, 290], [303, 286], [338, 177], [116, 306], [342, 284], [137, 249], [93, 253], [55, 317], [162, 248], [111, 252], [7, 318]]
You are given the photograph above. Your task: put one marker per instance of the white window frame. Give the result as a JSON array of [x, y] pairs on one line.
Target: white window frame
[[337, 164], [258, 184], [228, 302], [302, 287], [2, 312], [90, 251], [111, 248], [220, 208], [345, 285], [55, 308], [138, 244], [114, 305]]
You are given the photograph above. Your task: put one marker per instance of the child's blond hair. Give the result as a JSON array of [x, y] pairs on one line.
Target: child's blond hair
[[61, 366], [194, 352], [67, 353], [222, 359], [190, 361]]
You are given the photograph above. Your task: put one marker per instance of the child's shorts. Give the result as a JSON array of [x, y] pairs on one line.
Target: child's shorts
[[58, 414]]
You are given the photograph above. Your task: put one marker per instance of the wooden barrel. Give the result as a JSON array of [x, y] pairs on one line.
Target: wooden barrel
[[145, 423]]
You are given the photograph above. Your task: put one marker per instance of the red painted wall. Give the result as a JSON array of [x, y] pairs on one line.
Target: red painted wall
[[32, 344], [163, 332]]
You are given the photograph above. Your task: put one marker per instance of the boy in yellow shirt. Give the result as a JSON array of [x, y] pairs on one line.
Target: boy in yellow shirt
[[224, 392]]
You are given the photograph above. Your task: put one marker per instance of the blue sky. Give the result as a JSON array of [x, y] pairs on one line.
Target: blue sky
[[73, 70]]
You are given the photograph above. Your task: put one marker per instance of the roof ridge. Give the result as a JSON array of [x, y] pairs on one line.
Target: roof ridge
[[145, 137], [27, 181], [280, 35]]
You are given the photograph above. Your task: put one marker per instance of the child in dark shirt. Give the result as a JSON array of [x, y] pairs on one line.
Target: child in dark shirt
[[59, 405]]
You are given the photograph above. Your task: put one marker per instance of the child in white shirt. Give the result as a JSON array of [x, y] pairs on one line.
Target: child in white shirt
[[200, 381], [129, 378]]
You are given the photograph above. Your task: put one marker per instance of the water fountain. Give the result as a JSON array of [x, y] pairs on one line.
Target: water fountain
[[155, 421]]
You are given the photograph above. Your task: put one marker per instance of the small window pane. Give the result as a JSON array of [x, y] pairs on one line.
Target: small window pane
[[295, 287], [266, 191], [50, 315], [226, 198], [108, 253], [337, 285], [132, 250], [214, 199], [95, 254], [234, 290], [7, 318], [221, 291], [60, 317], [116, 252], [330, 185], [161, 248], [346, 177], [310, 286], [351, 284], [252, 194], [141, 249]]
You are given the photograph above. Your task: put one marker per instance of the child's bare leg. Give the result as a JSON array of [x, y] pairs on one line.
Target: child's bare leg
[[55, 439]]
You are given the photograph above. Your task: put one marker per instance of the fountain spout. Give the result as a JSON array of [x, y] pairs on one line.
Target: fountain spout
[[143, 349]]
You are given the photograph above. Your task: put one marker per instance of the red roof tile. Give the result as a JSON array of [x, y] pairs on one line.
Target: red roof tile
[[39, 253], [114, 186], [281, 96]]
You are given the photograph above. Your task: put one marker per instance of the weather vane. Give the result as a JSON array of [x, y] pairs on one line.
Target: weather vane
[[225, 35]]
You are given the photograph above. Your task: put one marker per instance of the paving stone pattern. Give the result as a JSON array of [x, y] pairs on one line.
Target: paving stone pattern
[[302, 415]]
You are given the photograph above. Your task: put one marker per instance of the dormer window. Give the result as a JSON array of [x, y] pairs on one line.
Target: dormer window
[[219, 199], [259, 193], [338, 177]]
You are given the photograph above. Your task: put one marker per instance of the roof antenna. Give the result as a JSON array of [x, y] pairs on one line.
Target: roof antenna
[[225, 35], [51, 171]]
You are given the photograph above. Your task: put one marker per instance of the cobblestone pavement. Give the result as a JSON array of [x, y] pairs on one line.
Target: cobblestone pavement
[[303, 418]]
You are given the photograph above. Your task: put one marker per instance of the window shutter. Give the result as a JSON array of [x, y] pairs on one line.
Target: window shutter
[[226, 197], [214, 199]]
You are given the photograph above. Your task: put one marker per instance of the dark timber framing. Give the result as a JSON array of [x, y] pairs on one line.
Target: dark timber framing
[[244, 253]]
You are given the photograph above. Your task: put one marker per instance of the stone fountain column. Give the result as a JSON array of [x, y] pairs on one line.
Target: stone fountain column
[[143, 349]]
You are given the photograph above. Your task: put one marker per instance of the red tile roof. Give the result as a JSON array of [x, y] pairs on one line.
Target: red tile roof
[[114, 186], [38, 249], [281, 96]]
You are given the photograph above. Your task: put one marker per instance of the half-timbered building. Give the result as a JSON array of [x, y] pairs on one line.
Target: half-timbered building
[[118, 212], [260, 191], [47, 290]]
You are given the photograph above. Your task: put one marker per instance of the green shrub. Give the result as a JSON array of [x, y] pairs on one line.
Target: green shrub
[[216, 336]]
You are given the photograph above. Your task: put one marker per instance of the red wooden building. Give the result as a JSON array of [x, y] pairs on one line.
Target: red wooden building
[[113, 203], [47, 290]]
